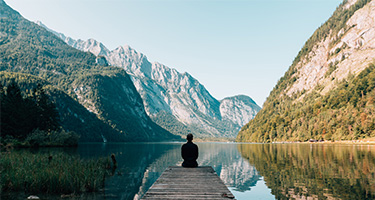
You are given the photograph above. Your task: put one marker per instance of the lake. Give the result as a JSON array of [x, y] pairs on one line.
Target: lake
[[251, 171]]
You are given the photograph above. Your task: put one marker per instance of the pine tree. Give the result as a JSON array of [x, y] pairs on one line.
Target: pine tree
[[48, 118], [17, 114]]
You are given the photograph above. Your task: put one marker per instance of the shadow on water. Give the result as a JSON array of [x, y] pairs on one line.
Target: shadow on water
[[315, 171]]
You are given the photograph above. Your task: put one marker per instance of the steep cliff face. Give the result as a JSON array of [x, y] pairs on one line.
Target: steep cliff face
[[106, 91], [327, 92], [351, 50], [239, 109], [179, 95], [176, 101]]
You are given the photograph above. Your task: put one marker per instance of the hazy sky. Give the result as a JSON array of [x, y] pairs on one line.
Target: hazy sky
[[231, 46]]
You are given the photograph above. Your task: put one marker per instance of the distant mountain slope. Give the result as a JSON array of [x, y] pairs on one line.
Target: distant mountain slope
[[328, 92], [107, 92], [238, 109], [174, 100], [73, 116]]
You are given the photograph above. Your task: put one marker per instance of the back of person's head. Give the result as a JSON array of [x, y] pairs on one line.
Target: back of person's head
[[189, 137]]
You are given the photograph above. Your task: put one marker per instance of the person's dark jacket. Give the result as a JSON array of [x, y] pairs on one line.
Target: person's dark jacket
[[189, 152]]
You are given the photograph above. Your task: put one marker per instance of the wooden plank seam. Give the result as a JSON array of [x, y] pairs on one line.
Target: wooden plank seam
[[188, 183]]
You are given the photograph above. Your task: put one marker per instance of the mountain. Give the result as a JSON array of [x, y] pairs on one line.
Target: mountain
[[73, 115], [176, 101], [106, 92], [238, 109], [328, 92]]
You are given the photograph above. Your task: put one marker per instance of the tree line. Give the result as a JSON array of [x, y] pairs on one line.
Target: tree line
[[345, 113], [31, 118]]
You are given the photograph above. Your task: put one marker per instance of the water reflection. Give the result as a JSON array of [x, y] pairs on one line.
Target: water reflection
[[251, 171], [315, 171], [235, 172], [135, 170], [140, 164]]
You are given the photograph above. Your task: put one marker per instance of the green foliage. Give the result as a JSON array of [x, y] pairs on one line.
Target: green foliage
[[73, 116], [21, 115], [337, 114], [345, 113], [116, 99], [171, 124], [31, 120], [50, 173], [332, 26], [38, 138], [53, 138], [112, 98], [32, 52], [48, 117]]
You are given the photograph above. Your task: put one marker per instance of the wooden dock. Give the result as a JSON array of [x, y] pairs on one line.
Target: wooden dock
[[188, 183]]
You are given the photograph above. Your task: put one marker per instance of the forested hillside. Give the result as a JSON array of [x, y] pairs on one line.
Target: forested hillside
[[103, 90], [72, 116], [176, 101], [328, 92]]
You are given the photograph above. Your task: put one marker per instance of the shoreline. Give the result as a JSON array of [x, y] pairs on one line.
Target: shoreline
[[362, 141]]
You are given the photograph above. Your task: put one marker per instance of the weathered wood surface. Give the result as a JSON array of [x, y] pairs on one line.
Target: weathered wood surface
[[188, 183]]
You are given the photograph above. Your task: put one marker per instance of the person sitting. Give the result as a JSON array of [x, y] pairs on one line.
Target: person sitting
[[189, 152]]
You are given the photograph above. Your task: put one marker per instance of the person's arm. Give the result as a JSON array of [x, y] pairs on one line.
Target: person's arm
[[183, 152]]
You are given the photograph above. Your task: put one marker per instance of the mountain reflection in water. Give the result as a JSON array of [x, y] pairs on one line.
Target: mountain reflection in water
[[140, 164], [290, 171], [314, 171]]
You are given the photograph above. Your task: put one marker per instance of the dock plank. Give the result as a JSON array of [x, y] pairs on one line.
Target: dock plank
[[188, 183]]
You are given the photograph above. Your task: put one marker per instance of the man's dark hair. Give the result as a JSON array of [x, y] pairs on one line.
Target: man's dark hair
[[189, 137]]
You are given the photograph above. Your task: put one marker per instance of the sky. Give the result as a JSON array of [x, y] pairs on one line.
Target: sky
[[232, 47]]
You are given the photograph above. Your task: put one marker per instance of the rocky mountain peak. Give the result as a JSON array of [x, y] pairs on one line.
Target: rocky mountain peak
[[175, 99], [133, 62], [97, 102], [240, 109], [90, 45], [93, 46]]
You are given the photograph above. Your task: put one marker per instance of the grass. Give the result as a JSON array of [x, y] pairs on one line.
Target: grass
[[56, 173]]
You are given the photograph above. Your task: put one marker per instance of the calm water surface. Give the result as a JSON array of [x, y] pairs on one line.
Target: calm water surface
[[251, 171]]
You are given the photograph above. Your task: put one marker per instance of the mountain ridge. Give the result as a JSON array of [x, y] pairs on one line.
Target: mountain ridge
[[168, 93], [327, 92], [30, 49]]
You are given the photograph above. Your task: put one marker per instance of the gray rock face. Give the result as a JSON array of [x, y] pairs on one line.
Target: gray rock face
[[239, 109], [117, 111], [180, 95], [352, 52]]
